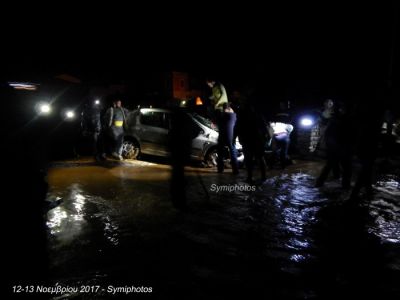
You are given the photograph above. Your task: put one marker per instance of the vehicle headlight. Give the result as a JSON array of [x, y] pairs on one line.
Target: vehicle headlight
[[69, 114], [43, 108], [306, 122]]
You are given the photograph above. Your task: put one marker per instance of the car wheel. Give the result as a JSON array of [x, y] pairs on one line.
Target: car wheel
[[130, 150]]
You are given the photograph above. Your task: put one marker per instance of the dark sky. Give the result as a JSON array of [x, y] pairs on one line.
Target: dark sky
[[306, 41]]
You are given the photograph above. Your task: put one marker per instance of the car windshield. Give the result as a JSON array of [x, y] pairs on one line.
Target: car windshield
[[204, 121]]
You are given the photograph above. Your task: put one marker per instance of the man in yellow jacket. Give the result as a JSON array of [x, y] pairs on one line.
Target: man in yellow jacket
[[116, 118]]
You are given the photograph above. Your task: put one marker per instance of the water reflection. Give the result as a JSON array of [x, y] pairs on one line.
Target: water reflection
[[66, 221], [283, 226], [79, 209], [298, 258], [55, 219], [111, 230], [293, 206], [78, 204], [385, 209]]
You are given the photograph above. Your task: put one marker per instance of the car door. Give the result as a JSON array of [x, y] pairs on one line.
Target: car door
[[154, 132]]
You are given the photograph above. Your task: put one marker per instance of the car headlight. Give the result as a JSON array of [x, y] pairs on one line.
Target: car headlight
[[69, 114], [306, 122], [43, 108]]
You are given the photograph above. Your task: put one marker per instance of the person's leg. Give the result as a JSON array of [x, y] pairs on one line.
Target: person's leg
[[364, 178], [281, 146], [330, 161], [284, 151], [248, 160], [120, 141], [220, 158], [261, 160], [346, 171], [117, 138], [234, 163], [107, 141], [101, 145]]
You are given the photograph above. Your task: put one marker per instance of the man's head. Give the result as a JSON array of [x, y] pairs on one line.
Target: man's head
[[328, 104], [210, 82], [117, 103]]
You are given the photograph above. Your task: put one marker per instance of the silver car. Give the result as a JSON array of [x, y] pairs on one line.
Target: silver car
[[148, 133]]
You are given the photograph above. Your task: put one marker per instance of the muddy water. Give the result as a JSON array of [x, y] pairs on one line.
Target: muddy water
[[281, 239]]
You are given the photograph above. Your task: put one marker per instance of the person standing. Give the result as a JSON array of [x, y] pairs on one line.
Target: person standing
[[181, 136], [252, 132], [338, 139], [226, 124], [116, 118], [92, 127]]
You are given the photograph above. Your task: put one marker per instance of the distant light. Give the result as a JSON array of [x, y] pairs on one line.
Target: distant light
[[45, 108], [183, 102], [97, 102], [306, 122], [70, 114], [199, 101], [23, 86]]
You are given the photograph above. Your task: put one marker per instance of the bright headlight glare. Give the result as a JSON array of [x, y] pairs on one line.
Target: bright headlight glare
[[70, 114], [45, 108], [306, 122]]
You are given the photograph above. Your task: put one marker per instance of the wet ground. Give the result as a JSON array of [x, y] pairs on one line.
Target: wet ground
[[280, 239]]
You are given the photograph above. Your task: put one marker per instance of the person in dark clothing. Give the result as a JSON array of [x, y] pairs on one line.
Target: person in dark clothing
[[182, 133], [252, 133], [318, 139], [24, 242], [116, 118], [226, 122], [92, 127], [338, 148], [346, 143], [369, 116]]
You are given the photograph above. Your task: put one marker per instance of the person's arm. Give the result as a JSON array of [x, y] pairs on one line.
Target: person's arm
[[220, 96], [125, 114], [109, 117]]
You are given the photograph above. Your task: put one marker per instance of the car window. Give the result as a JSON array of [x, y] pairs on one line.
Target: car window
[[193, 127], [206, 122], [155, 119]]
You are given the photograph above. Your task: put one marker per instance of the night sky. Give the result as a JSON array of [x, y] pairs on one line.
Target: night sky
[[332, 42]]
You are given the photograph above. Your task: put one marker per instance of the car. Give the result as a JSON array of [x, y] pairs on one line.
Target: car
[[148, 133]]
